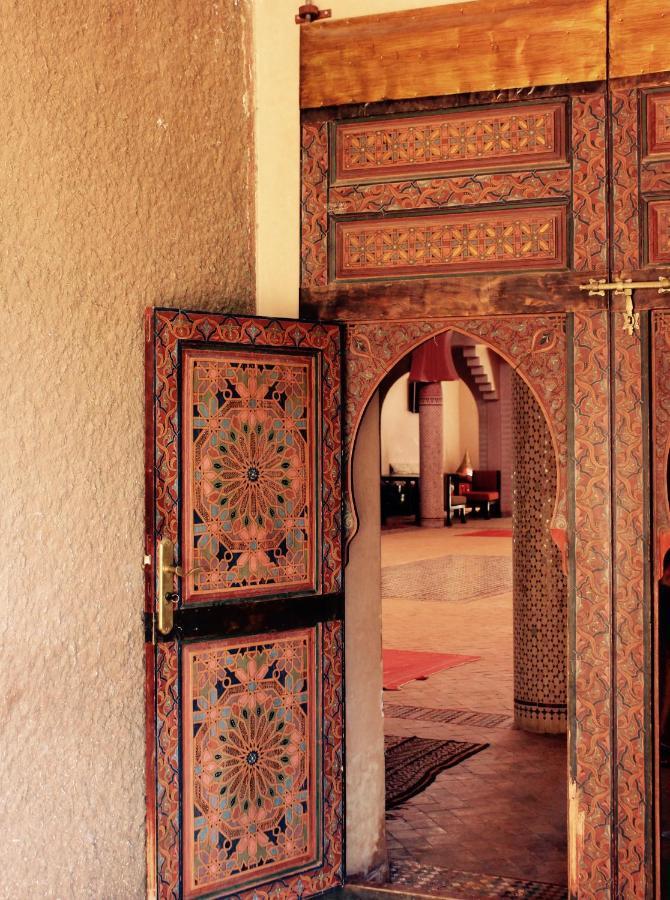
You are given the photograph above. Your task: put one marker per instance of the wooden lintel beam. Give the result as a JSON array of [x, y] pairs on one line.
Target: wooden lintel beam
[[433, 297], [456, 48]]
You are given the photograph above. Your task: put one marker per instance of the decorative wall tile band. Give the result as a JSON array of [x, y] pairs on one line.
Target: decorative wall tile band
[[518, 239], [549, 711], [468, 141]]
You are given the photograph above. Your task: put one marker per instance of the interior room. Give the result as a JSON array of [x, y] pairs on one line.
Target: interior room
[[474, 627]]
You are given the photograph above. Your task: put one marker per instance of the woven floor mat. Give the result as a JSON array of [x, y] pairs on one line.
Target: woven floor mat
[[455, 716], [449, 578], [413, 763]]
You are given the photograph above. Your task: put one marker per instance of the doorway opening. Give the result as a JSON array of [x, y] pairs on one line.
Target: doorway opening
[[474, 630]]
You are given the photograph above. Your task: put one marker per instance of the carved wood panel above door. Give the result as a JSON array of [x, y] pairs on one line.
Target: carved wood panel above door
[[464, 186], [533, 237], [464, 140]]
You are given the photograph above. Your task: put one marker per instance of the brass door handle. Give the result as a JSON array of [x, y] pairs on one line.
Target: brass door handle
[[165, 588], [166, 593]]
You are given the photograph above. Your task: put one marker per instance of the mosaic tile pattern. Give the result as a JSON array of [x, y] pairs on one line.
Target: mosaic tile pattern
[[451, 579], [456, 716], [437, 881], [540, 587]]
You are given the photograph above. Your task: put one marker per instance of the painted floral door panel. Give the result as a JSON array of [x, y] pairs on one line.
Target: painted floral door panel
[[244, 755], [250, 478]]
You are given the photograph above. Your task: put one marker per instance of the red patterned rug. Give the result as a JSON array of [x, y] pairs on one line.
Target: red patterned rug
[[491, 532], [402, 666]]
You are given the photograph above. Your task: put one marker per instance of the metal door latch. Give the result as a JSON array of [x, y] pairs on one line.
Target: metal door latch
[[625, 288]]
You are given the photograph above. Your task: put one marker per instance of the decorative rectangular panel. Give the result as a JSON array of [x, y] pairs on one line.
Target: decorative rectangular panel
[[658, 232], [518, 239], [473, 140], [657, 132], [252, 774], [250, 436]]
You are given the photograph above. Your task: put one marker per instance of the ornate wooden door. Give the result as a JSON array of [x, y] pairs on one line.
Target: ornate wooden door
[[244, 687]]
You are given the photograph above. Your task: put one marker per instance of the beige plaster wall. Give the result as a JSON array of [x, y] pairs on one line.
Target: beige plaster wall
[[125, 167], [400, 428], [366, 851], [469, 428]]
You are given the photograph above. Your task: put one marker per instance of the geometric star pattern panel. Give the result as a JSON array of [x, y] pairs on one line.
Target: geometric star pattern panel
[[459, 140], [252, 797], [249, 445], [518, 239]]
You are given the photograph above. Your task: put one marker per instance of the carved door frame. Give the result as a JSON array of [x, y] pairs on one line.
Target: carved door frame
[[617, 212], [554, 355]]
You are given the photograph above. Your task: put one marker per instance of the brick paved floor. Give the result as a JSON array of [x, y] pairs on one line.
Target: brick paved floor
[[502, 812]]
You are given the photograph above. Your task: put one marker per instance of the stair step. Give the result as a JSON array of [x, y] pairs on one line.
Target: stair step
[[470, 352]]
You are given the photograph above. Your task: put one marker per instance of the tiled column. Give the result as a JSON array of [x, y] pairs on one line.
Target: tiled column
[[540, 587], [431, 454]]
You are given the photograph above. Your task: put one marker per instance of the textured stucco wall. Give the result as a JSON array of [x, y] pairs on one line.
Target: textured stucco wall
[[125, 168]]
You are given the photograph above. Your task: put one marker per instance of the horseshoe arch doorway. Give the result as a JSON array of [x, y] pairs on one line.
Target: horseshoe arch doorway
[[536, 350]]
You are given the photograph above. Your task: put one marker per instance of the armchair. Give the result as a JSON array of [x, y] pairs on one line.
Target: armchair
[[484, 494]]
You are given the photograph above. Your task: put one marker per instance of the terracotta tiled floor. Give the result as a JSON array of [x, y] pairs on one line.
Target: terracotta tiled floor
[[502, 812]]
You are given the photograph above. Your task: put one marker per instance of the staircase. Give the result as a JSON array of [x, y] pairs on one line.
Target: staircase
[[481, 371]]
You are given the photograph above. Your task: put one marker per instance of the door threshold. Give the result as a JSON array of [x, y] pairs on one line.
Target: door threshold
[[355, 891]]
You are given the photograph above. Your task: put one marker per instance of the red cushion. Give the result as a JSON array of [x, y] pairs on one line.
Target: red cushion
[[475, 496]]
